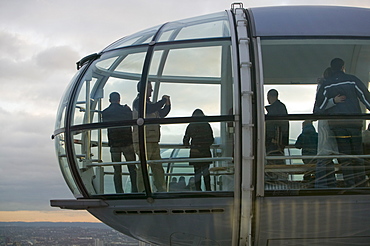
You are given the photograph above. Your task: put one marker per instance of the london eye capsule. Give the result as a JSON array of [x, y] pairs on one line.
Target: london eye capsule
[[163, 134]]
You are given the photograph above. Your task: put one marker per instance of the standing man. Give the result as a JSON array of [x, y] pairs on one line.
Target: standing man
[[346, 132], [277, 132], [159, 109], [120, 140]]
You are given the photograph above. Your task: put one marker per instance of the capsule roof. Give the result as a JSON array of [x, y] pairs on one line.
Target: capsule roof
[[310, 21]]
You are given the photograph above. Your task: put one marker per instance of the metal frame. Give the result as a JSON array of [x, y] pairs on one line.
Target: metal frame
[[243, 199]]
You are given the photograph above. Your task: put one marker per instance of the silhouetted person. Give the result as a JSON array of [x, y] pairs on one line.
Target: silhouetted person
[[307, 141], [181, 184], [159, 109], [120, 140], [200, 137], [346, 132], [173, 184], [191, 184], [277, 131]]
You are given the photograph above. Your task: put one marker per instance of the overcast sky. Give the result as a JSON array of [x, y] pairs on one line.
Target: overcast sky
[[40, 42]]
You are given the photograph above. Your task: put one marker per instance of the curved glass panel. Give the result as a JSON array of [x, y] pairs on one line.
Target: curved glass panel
[[117, 71], [105, 165], [105, 64], [206, 26], [60, 121], [63, 164], [326, 150], [132, 63], [182, 78], [98, 163], [143, 37]]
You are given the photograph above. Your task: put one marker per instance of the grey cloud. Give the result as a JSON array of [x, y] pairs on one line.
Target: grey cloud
[[12, 45], [22, 125], [38, 80], [30, 195], [37, 67], [29, 171], [57, 58], [11, 70]]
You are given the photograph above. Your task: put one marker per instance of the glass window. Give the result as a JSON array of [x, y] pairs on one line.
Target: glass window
[[106, 168], [63, 163], [174, 167], [202, 61], [132, 63], [83, 110], [60, 122], [106, 160], [191, 97], [96, 167], [207, 26], [308, 153], [118, 71], [142, 37], [209, 30], [126, 88], [194, 75], [106, 63]]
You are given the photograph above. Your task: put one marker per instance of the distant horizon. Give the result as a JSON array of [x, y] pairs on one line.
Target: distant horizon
[[55, 224], [48, 216]]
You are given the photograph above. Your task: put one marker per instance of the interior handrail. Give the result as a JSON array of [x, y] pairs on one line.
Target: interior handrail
[[274, 157], [172, 160]]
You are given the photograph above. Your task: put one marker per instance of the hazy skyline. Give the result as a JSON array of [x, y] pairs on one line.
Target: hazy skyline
[[40, 42]]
